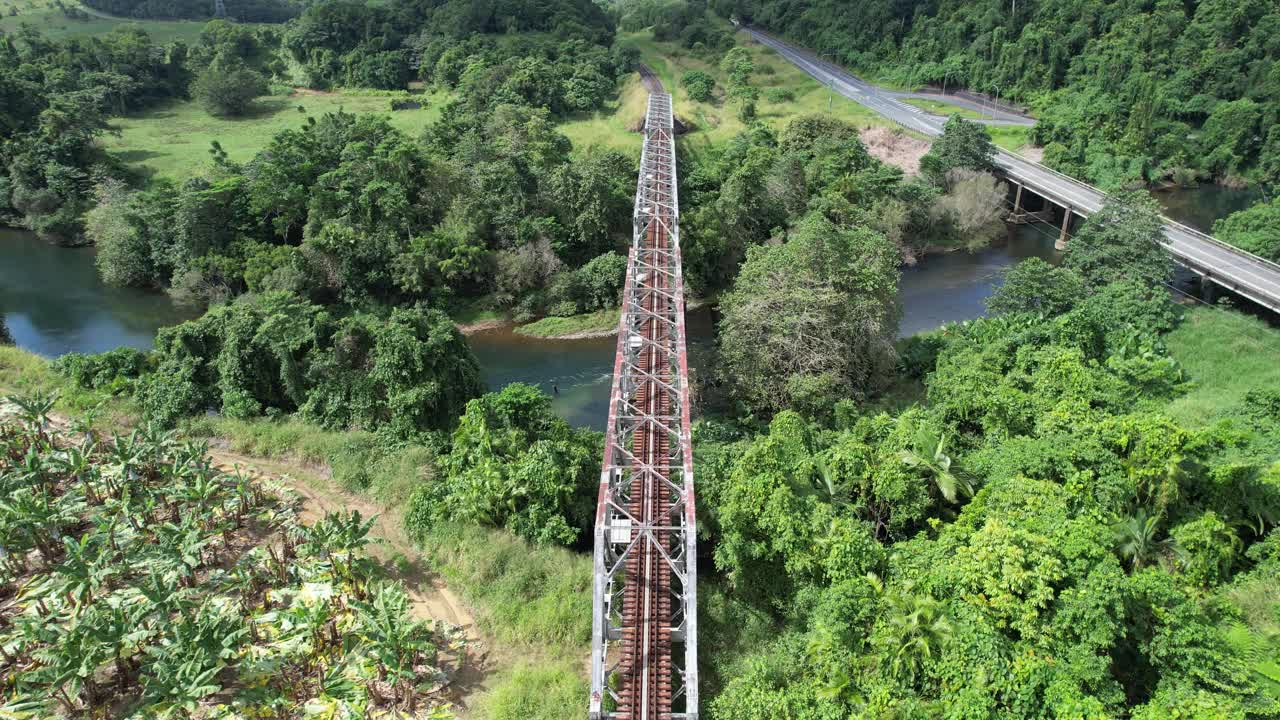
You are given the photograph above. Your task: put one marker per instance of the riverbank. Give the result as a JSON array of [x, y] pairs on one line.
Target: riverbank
[[602, 323]]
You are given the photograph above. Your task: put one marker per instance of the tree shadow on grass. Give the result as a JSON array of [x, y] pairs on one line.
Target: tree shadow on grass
[[137, 156], [264, 108]]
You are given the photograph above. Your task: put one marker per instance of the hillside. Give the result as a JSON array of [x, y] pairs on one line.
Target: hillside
[[1125, 92]]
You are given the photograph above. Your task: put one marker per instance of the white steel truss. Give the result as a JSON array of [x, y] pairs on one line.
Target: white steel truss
[[651, 363]]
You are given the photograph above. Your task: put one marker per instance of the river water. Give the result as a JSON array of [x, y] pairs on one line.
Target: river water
[[1201, 206], [54, 303]]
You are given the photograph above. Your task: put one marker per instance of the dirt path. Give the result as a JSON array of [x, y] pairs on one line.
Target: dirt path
[[432, 599]]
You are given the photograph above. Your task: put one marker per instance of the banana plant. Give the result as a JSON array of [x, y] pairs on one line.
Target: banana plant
[[339, 538], [122, 626], [35, 410], [84, 570], [40, 518], [181, 548], [68, 665], [76, 461], [183, 667], [84, 424], [395, 641]]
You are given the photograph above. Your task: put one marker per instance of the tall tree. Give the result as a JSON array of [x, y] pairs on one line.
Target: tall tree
[[1122, 241], [812, 319], [963, 144]]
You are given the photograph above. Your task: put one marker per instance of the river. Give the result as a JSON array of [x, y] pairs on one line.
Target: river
[[1201, 206], [54, 303]]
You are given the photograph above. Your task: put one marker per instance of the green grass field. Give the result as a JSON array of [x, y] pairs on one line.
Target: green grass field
[[617, 125], [1226, 354], [601, 321], [713, 121], [173, 141], [1010, 137], [938, 107], [46, 17]]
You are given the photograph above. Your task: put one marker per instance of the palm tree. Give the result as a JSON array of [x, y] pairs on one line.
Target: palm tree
[[928, 454], [913, 630], [1136, 539], [828, 482]]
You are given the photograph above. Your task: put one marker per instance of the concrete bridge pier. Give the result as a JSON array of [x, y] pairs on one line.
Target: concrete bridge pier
[[1208, 289], [1065, 233]]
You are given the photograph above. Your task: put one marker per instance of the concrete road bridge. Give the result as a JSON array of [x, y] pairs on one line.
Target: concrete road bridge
[[1246, 274], [644, 639]]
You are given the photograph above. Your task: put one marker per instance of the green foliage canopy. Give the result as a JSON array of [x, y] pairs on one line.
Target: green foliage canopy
[[515, 464]]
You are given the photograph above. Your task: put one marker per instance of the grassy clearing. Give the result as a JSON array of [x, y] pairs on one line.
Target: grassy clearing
[[45, 16], [173, 141], [600, 322], [526, 595], [477, 313], [1010, 137], [535, 692], [1226, 354], [616, 126], [356, 460], [717, 120], [938, 107], [25, 373]]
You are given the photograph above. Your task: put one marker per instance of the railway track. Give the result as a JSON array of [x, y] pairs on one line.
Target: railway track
[[644, 637]]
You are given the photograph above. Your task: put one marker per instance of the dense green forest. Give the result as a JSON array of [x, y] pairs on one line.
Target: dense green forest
[[265, 11], [60, 95], [1125, 91], [1037, 538]]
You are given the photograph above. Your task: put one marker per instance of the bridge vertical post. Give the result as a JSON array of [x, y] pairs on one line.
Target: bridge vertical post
[[1017, 201], [1061, 244], [1208, 289]]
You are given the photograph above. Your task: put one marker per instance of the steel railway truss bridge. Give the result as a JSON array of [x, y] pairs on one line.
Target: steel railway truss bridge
[[644, 640]]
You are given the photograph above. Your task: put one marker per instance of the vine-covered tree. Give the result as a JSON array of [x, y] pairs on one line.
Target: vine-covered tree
[[812, 319], [408, 370], [1122, 241]]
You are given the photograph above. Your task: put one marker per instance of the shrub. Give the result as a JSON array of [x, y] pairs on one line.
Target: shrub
[[115, 369], [228, 88], [918, 354], [514, 464], [699, 85], [600, 281], [779, 95]]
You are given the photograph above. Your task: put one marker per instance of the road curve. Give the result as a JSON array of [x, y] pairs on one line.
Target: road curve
[[1253, 277]]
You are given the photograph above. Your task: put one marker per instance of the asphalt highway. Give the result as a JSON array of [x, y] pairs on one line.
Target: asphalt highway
[[1249, 275]]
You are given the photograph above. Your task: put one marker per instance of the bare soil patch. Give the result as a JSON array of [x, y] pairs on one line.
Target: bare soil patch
[[895, 147]]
